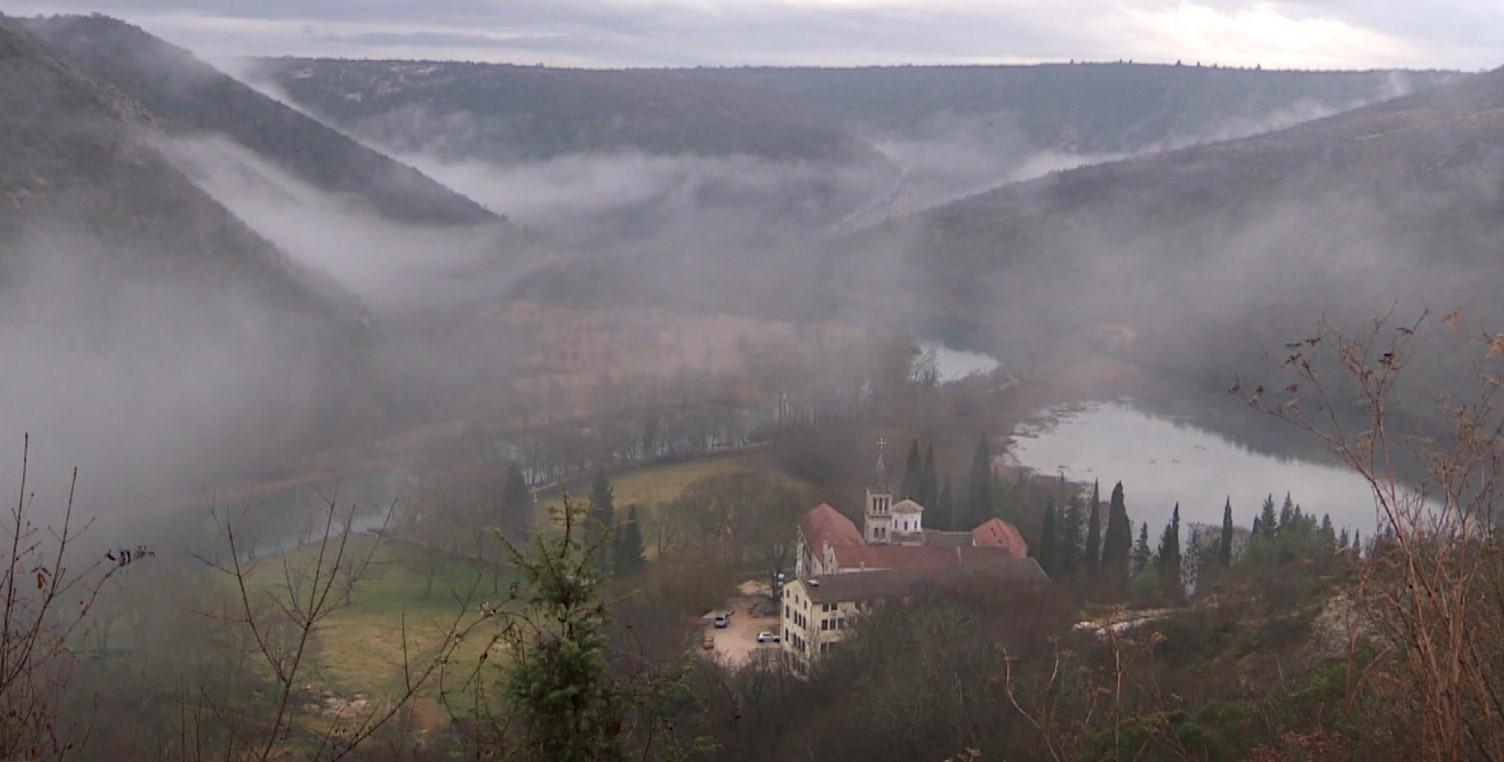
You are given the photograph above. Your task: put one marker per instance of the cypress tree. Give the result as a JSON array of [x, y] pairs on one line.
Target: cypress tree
[[1094, 531], [627, 548], [1142, 554], [929, 484], [602, 515], [1049, 543], [980, 496], [1117, 543], [1328, 534], [945, 507], [1070, 537], [1224, 548], [516, 505], [1169, 558], [909, 488]]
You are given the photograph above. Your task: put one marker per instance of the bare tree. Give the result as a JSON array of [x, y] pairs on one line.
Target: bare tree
[[1434, 582], [284, 619], [37, 623]]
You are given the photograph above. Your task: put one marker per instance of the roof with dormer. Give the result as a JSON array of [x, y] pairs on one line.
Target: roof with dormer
[[824, 525]]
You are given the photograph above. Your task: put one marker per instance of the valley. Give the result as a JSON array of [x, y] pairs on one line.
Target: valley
[[374, 408]]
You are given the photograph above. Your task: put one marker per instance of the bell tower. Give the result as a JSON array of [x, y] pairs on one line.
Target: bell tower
[[877, 524]]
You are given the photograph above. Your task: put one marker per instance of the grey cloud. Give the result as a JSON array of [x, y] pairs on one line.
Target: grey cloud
[[618, 33]]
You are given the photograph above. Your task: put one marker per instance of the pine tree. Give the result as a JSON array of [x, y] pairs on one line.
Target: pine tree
[[980, 496], [1170, 559], [602, 515], [1268, 522], [910, 487], [1049, 543], [559, 681], [929, 483], [1342, 540], [1328, 534], [1287, 514], [1117, 544], [627, 550], [1094, 531], [1224, 548], [1142, 554], [1070, 537]]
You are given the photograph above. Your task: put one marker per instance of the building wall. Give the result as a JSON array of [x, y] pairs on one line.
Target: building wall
[[809, 630]]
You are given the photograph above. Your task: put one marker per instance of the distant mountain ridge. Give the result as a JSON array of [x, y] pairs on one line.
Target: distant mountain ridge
[[1211, 255], [1089, 108], [507, 113]]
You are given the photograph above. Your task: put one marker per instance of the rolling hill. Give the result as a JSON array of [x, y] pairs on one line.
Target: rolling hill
[[1209, 256], [146, 327], [506, 113], [189, 97]]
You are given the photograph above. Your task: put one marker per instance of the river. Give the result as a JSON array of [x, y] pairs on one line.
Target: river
[[1162, 461]]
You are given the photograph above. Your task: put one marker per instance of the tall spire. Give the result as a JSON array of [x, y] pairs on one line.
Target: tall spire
[[880, 480]]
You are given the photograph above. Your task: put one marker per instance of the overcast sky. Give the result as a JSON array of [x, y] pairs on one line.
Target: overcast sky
[[1465, 34]]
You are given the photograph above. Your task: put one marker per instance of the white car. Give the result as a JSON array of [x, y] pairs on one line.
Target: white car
[[722, 621], [767, 637]]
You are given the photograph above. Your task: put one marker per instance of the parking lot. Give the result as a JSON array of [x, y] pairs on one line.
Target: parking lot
[[735, 645]]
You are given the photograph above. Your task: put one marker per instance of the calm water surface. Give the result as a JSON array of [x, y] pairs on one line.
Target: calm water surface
[[1162, 461]]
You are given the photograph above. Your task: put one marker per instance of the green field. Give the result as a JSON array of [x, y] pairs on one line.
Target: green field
[[359, 648], [652, 485]]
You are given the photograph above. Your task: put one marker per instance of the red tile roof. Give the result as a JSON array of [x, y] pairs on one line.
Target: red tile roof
[[875, 585], [824, 525], [996, 533], [858, 557]]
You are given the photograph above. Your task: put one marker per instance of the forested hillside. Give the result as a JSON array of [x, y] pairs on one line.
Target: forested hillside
[[1203, 255], [188, 97]]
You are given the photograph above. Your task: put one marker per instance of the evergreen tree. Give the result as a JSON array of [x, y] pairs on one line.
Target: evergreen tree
[[945, 506], [559, 681], [911, 486], [1142, 554], [1268, 522], [602, 515], [1224, 548], [1170, 560], [1093, 558], [516, 505], [1069, 557], [1342, 540], [1287, 514], [1117, 544], [1328, 534], [1049, 543], [929, 483], [980, 496], [627, 550]]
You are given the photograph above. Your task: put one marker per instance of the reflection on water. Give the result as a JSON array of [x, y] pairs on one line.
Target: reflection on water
[[1161, 462], [955, 364]]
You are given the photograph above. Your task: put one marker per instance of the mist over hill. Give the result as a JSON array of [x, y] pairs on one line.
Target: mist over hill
[[1212, 254], [945, 131], [147, 329]]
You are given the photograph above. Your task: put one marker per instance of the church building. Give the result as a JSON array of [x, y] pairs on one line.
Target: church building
[[840, 571]]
